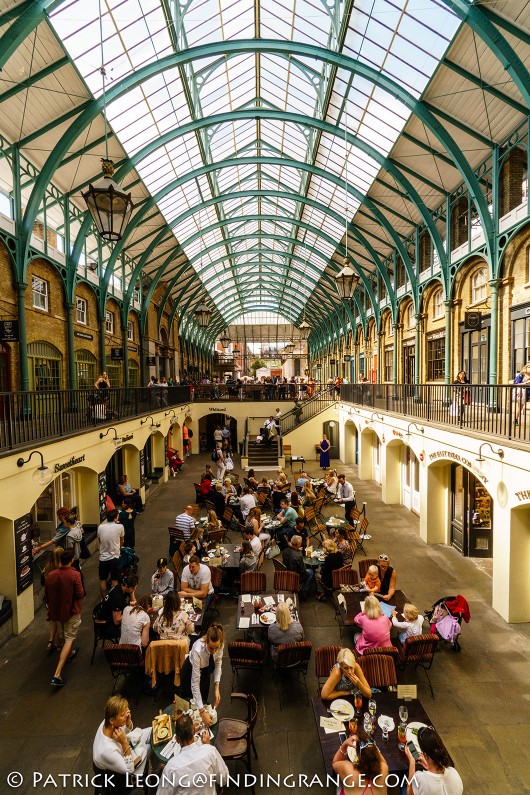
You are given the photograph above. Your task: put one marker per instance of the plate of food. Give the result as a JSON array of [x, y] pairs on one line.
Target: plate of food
[[162, 729], [267, 618], [342, 709], [412, 733]]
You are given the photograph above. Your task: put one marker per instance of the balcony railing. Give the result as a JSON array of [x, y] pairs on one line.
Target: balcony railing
[[27, 418], [498, 411]]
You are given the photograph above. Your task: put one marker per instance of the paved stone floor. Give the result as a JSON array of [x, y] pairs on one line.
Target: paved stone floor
[[481, 706]]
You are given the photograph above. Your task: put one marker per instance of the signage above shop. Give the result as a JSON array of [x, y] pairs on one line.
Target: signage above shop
[[218, 410], [127, 437], [83, 335], [9, 331], [116, 354], [461, 460], [436, 335], [132, 348], [150, 361], [70, 463]]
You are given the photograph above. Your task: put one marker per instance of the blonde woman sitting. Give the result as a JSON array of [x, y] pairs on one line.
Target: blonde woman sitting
[[345, 678], [285, 630], [375, 626]]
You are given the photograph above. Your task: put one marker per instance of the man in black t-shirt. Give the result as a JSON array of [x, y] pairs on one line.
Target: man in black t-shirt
[[114, 603]]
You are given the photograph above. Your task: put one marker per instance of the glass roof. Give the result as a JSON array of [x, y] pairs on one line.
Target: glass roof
[[244, 222]]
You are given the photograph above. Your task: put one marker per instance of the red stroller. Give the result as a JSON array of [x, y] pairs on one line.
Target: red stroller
[[445, 618]]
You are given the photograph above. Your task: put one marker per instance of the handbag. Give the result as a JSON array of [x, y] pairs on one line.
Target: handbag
[[273, 551]]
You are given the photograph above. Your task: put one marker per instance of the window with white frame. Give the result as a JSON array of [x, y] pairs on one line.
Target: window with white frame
[[478, 286], [130, 331], [528, 265], [109, 322], [438, 304], [411, 320], [40, 290], [81, 309]]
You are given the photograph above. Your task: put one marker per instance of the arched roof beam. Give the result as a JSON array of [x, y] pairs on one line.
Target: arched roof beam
[[260, 46]]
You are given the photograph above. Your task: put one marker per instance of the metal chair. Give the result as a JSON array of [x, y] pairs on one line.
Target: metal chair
[[344, 576], [101, 631], [245, 655], [286, 581], [292, 657], [418, 651], [364, 565], [235, 737], [379, 670], [125, 659], [253, 582], [325, 659]]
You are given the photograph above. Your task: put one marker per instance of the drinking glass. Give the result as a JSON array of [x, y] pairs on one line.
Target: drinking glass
[[367, 723], [358, 701], [372, 706], [352, 726], [402, 736], [385, 726]]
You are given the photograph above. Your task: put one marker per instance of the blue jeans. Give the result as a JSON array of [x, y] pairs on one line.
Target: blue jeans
[[306, 585]]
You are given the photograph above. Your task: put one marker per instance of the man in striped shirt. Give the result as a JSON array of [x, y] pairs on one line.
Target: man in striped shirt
[[185, 522]]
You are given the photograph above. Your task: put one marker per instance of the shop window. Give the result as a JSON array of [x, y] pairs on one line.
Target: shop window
[[134, 374], [81, 309], [400, 273], [114, 372], [85, 368], [438, 310], [44, 366], [435, 359], [6, 207], [109, 322], [411, 319], [389, 364], [478, 286], [425, 252], [528, 265], [40, 291], [130, 331]]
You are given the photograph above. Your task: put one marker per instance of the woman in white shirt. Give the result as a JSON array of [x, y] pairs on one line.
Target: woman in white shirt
[[117, 746], [439, 775], [205, 657], [135, 623]]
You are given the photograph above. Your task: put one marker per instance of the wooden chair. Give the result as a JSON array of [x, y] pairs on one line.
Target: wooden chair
[[319, 504], [125, 659], [286, 581], [292, 657], [418, 651], [253, 582], [211, 610], [364, 565], [261, 560], [278, 564], [379, 670], [235, 737], [344, 576], [314, 527], [245, 655], [217, 535], [325, 659], [199, 496]]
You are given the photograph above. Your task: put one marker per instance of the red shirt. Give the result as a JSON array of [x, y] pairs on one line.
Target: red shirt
[[64, 591]]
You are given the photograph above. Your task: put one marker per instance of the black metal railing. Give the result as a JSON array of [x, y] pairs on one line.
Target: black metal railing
[[498, 411], [30, 417], [307, 409], [207, 393]]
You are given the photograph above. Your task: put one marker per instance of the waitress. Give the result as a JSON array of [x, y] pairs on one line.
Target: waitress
[[205, 658]]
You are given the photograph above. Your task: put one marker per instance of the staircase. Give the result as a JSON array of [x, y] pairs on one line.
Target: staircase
[[310, 408], [262, 457]]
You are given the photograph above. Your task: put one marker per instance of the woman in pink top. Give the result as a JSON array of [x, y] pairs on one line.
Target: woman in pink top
[[374, 624]]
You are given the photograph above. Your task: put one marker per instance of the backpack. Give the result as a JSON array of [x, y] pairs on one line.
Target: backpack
[[215, 455], [190, 433]]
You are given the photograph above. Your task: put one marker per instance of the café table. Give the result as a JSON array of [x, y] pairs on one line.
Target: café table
[[313, 561], [231, 555], [347, 610], [248, 613], [158, 749], [387, 704]]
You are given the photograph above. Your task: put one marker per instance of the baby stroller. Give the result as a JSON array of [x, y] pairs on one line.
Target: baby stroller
[[128, 562], [445, 618]]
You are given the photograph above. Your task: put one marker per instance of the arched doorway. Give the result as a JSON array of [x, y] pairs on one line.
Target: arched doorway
[[471, 514]]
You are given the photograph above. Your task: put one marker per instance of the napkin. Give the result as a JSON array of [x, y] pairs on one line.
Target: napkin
[[171, 749], [361, 605], [244, 622], [246, 597], [269, 601], [341, 600], [289, 601], [254, 619], [280, 597]]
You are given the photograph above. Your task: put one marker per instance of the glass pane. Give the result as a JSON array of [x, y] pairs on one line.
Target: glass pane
[[458, 509]]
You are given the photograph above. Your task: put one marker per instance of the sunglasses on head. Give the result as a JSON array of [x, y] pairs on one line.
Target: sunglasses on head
[[383, 557], [365, 744], [425, 728]]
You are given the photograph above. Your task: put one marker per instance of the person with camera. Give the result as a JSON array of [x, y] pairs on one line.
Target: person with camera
[[163, 580], [367, 772], [439, 774]]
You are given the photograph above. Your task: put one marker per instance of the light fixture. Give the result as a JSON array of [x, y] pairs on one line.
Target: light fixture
[[109, 206], [379, 417], [203, 315], [331, 424], [171, 413], [43, 474], [346, 281], [117, 441], [225, 339], [413, 425], [304, 328], [500, 451], [289, 346], [154, 425]]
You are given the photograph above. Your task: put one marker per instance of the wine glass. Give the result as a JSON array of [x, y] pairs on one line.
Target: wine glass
[[403, 714], [367, 723], [385, 726], [372, 706]]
